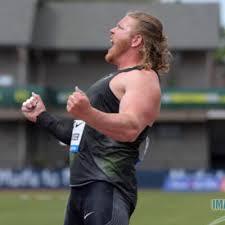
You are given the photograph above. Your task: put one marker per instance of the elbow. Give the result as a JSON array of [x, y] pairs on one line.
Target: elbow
[[129, 135], [131, 138]]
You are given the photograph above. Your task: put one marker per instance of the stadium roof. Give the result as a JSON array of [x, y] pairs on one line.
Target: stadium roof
[[16, 22], [85, 26]]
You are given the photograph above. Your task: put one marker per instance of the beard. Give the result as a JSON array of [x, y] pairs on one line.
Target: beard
[[118, 49]]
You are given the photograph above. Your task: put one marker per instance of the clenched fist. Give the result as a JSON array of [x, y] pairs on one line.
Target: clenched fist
[[32, 107], [78, 104]]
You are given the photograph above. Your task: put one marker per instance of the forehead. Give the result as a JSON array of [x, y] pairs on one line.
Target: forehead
[[127, 21]]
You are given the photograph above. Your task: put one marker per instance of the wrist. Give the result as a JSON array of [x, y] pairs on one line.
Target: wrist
[[89, 114], [41, 113]]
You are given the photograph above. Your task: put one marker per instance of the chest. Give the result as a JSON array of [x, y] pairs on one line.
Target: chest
[[117, 86], [113, 83]]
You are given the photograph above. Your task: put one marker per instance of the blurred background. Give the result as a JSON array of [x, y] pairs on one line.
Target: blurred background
[[49, 47]]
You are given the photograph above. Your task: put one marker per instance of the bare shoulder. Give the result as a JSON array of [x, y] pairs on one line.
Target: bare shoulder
[[141, 83], [142, 95], [143, 78]]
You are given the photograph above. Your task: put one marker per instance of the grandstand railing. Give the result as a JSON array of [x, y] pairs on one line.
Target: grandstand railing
[[171, 98]]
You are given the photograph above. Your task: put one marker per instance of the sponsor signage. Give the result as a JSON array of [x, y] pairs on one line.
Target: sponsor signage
[[182, 180], [175, 98]]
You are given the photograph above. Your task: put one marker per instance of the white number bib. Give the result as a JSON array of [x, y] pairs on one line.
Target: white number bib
[[78, 128]]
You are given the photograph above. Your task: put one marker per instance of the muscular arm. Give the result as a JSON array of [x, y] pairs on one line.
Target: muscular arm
[[61, 129], [139, 107]]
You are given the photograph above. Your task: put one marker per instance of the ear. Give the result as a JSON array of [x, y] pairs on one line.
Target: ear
[[137, 40]]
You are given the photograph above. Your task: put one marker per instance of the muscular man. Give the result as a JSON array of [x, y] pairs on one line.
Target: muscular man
[[112, 119]]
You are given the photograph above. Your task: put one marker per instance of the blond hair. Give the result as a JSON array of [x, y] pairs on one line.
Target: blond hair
[[155, 52]]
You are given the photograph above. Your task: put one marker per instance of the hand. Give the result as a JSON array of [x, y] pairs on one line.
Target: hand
[[78, 104], [32, 107]]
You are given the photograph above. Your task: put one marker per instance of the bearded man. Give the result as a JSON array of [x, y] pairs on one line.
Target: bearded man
[[112, 120]]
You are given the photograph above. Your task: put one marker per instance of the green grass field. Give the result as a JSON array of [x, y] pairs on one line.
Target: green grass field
[[154, 208]]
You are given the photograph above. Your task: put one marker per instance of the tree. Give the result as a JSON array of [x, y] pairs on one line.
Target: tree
[[220, 52]]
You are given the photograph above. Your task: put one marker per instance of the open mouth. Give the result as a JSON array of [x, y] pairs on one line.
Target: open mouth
[[111, 41]]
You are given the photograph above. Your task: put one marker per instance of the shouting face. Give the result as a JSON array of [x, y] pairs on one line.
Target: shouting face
[[121, 39]]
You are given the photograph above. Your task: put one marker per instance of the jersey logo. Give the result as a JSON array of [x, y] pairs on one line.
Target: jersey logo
[[78, 124]]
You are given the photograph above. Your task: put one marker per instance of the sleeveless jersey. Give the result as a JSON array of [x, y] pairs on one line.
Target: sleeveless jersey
[[101, 158]]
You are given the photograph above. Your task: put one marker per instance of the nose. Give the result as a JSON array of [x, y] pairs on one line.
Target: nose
[[112, 31]]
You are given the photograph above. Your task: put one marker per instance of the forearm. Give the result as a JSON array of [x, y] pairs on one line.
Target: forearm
[[118, 126], [58, 128]]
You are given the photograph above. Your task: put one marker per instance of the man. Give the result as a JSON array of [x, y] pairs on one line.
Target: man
[[113, 117]]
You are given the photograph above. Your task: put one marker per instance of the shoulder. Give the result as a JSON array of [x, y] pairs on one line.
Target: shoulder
[[144, 75], [143, 78]]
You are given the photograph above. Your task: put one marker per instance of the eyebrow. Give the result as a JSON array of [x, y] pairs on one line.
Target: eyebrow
[[118, 25]]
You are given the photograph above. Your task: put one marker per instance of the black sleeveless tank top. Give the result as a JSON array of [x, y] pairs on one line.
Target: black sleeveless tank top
[[101, 158]]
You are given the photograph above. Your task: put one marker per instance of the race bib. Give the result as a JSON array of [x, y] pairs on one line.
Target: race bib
[[78, 129]]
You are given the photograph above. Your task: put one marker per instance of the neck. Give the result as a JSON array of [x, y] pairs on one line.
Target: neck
[[123, 65], [127, 61], [126, 66]]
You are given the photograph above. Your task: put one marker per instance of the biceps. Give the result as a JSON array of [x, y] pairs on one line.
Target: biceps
[[144, 108]]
